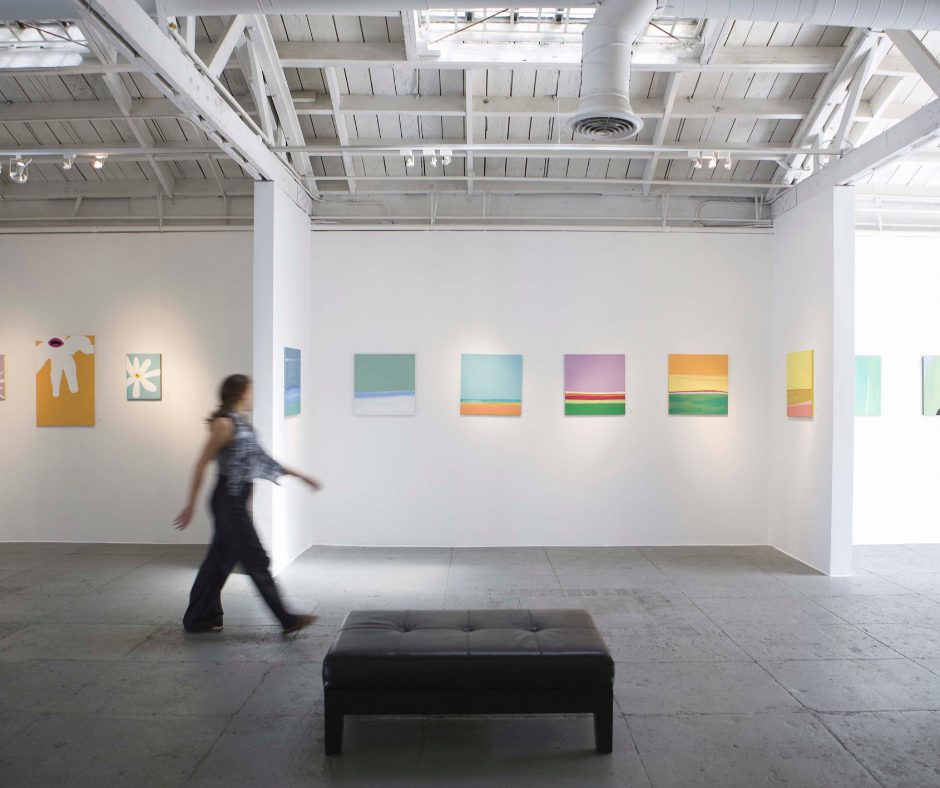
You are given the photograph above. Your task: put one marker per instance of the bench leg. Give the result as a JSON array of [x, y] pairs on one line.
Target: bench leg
[[604, 726], [334, 723]]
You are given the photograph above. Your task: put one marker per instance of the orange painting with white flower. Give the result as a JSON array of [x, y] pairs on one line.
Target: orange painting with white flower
[[65, 381]]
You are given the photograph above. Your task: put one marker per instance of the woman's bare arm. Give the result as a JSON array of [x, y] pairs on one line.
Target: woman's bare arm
[[222, 432]]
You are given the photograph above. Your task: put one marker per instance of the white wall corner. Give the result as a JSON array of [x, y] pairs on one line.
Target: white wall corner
[[282, 279], [843, 379], [813, 309]]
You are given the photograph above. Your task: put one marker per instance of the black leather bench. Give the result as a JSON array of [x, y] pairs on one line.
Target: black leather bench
[[460, 662]]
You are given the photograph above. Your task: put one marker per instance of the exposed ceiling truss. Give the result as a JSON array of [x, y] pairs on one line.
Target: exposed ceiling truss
[[439, 118]]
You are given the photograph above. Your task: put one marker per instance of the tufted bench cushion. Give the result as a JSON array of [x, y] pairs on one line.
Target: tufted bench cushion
[[466, 661]]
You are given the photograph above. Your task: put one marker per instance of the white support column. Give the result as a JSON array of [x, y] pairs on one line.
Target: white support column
[[282, 295], [811, 465]]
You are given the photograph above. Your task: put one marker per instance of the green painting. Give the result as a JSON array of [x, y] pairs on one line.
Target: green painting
[[932, 385], [868, 385]]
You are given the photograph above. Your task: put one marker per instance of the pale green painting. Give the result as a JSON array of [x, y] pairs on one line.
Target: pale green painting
[[932, 385], [868, 385]]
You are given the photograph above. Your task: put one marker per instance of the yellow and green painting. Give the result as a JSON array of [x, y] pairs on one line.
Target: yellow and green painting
[[698, 384], [800, 384]]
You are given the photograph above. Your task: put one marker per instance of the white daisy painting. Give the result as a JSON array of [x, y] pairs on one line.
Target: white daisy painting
[[3, 377], [144, 376]]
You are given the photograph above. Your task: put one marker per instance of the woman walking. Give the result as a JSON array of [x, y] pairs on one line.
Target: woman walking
[[241, 460]]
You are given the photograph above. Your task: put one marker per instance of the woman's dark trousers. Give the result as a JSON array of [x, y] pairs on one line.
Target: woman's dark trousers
[[235, 541]]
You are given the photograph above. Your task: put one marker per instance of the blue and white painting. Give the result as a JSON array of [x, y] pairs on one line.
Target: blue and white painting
[[291, 381], [384, 384]]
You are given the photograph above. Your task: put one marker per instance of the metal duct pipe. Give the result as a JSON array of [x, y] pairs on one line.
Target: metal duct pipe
[[604, 112], [44, 10], [875, 14]]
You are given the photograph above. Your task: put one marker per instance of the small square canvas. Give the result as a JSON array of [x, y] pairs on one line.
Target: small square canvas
[[698, 384], [932, 385], [68, 358], [291, 381], [595, 384], [384, 384], [800, 384], [144, 376], [868, 385], [490, 385], [3, 377]]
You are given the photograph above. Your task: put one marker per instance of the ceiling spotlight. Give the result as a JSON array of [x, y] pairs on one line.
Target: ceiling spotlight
[[67, 163], [409, 157], [697, 163], [98, 163], [18, 170], [712, 162], [446, 156], [434, 161], [728, 163]]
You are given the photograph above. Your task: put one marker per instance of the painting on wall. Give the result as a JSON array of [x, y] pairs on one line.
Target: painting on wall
[[868, 385], [291, 381], [384, 384], [144, 376], [3, 378], [698, 385], [490, 385], [65, 381], [932, 385], [595, 384], [800, 384]]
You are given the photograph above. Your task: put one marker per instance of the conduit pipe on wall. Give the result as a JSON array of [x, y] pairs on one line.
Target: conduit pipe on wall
[[604, 111]]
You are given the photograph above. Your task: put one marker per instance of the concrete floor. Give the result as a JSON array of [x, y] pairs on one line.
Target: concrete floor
[[735, 667]]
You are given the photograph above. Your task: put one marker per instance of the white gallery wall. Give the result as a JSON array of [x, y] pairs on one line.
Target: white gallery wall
[[897, 454], [439, 478], [813, 306], [185, 295]]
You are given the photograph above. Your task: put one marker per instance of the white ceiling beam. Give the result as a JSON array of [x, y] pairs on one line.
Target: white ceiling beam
[[223, 49], [122, 97], [881, 106], [47, 111], [830, 93], [669, 99], [299, 54], [850, 110], [71, 190], [251, 71], [308, 54], [339, 119], [468, 78], [713, 36], [411, 35], [176, 75], [263, 44], [900, 140], [306, 103], [918, 56]]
